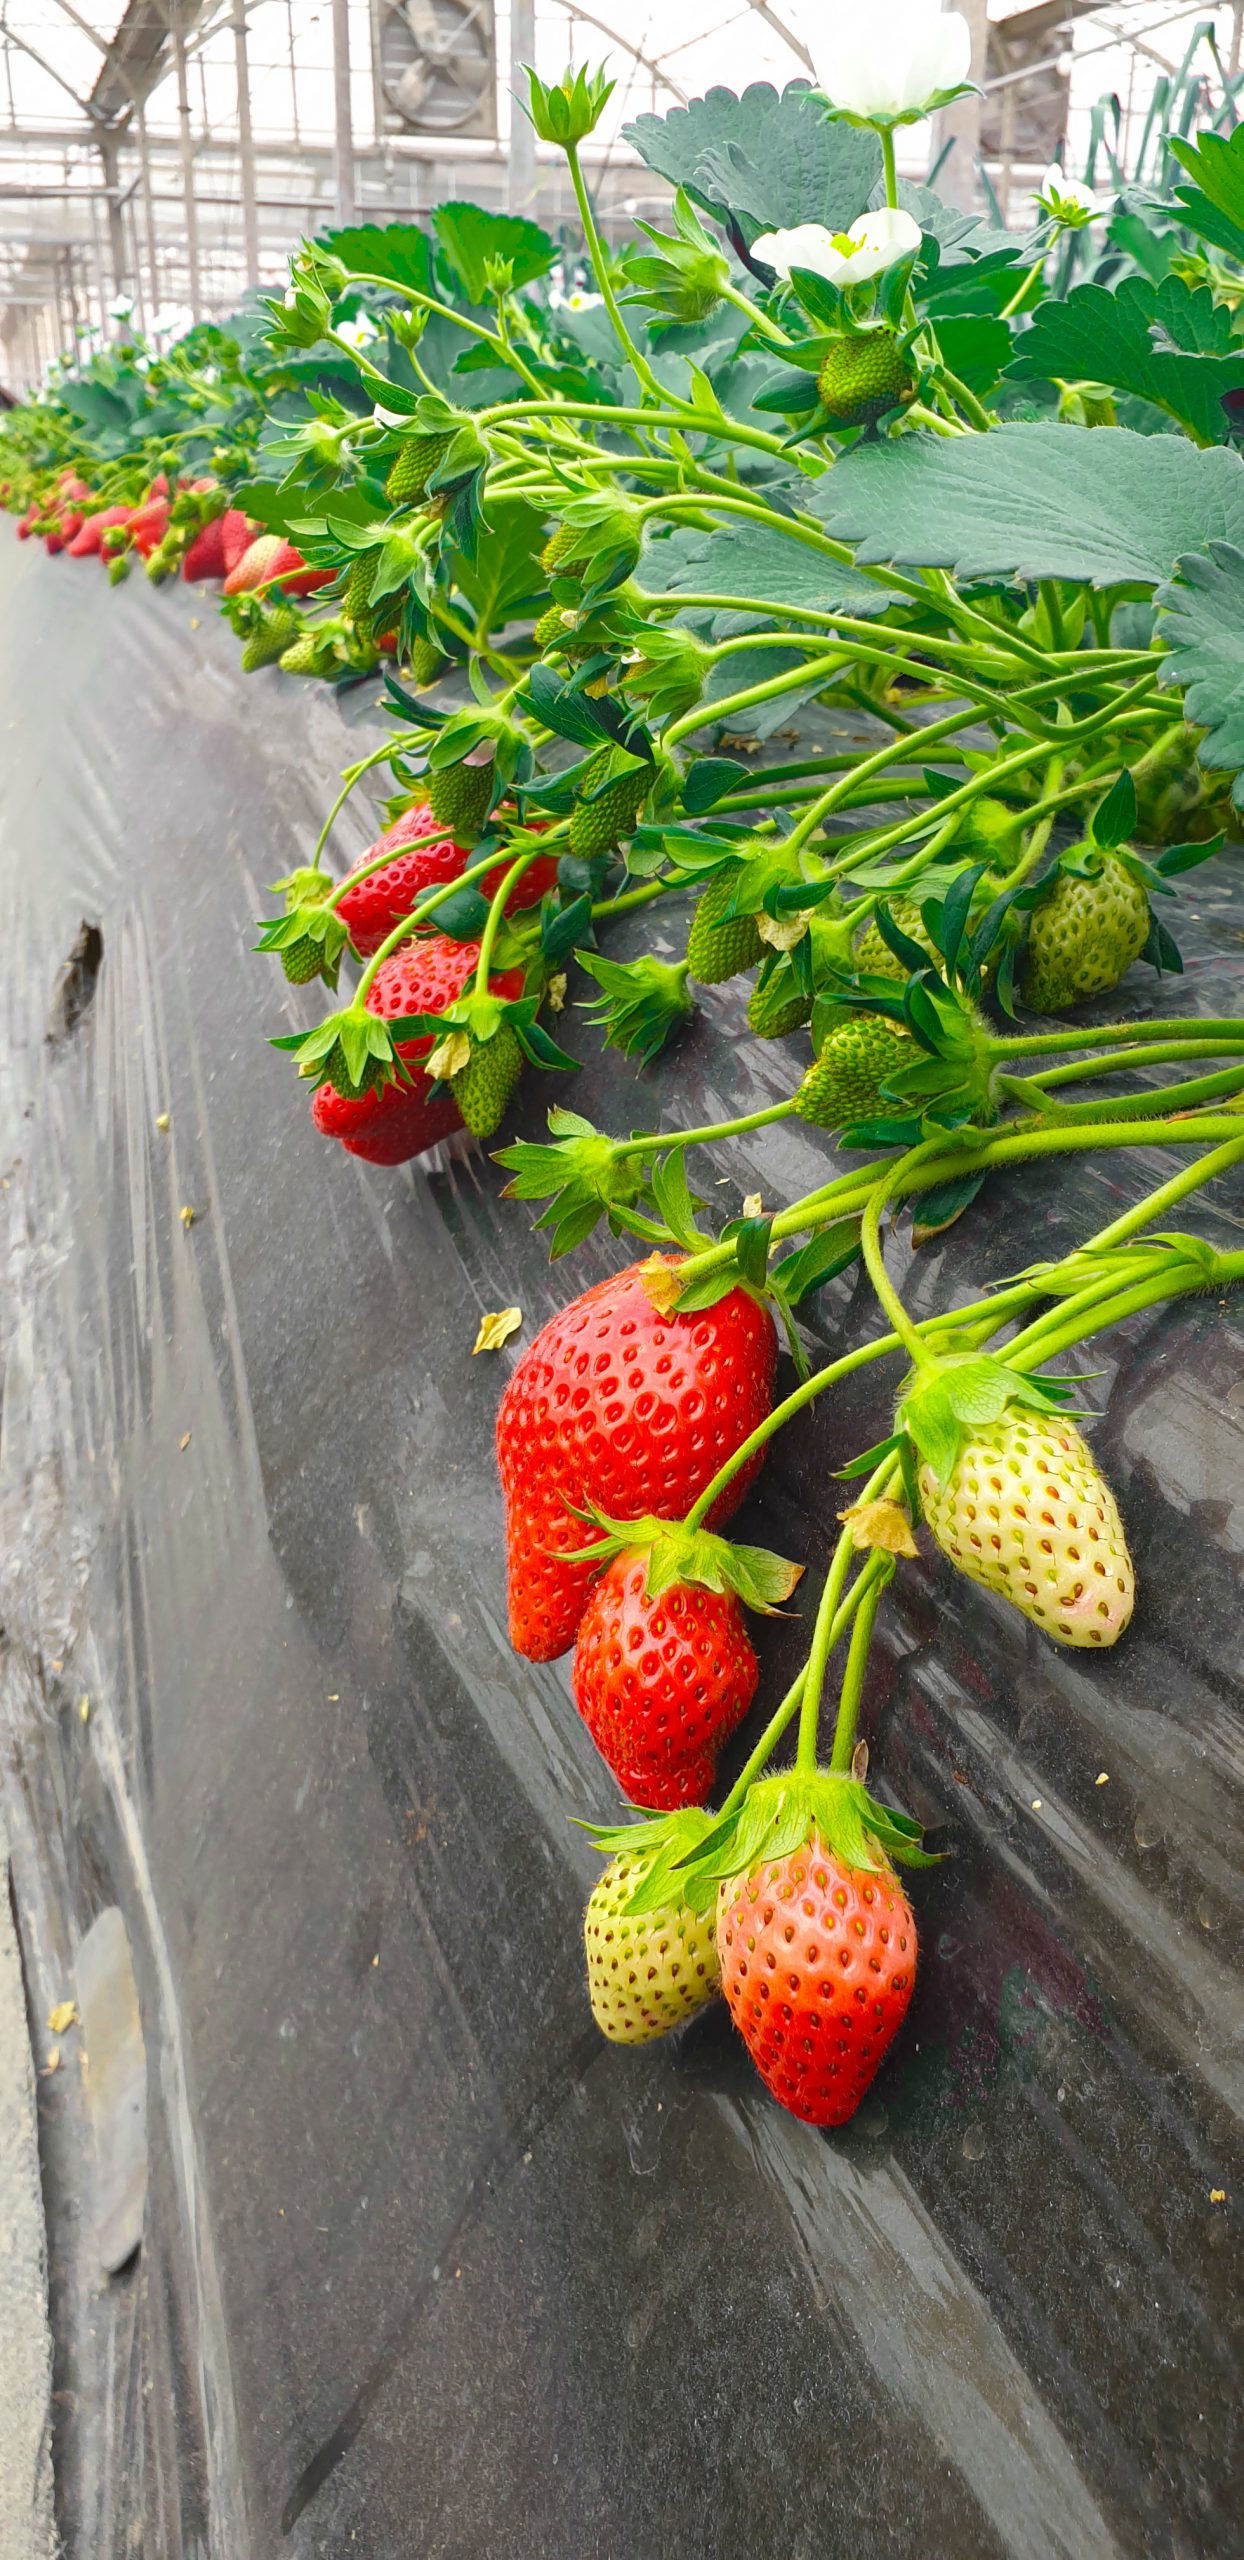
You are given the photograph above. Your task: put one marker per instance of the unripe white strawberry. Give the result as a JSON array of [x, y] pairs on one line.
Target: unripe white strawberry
[[650, 1971], [1026, 1512]]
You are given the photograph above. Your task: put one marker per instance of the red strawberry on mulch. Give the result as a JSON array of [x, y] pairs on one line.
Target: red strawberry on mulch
[[425, 856], [271, 556], [237, 532], [206, 555], [86, 542], [619, 1405], [660, 1683], [390, 1124]]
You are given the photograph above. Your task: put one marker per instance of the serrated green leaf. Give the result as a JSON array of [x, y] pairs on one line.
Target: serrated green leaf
[[1101, 505]]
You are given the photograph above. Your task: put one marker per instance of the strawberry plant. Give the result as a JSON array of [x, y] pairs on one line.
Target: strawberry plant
[[825, 451]]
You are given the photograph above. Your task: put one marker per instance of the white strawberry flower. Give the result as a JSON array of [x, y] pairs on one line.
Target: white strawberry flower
[[873, 243], [888, 62], [1067, 200]]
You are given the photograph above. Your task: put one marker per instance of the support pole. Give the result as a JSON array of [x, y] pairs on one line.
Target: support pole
[[522, 186], [110, 158], [187, 170], [342, 114], [246, 145], [960, 123], [149, 212]]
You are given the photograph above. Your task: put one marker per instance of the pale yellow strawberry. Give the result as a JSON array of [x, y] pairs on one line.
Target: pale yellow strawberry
[[649, 1972], [1028, 1514]]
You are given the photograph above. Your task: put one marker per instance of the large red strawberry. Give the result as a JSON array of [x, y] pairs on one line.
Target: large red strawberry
[[622, 1406], [661, 1683], [271, 556], [818, 1958], [388, 1125], [86, 542], [237, 532], [425, 856], [206, 555]]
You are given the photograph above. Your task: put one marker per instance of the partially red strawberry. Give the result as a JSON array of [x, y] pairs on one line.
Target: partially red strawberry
[[28, 522], [425, 856], [818, 1959], [389, 1125], [619, 1405], [85, 544], [206, 555], [660, 1684], [237, 532], [271, 556]]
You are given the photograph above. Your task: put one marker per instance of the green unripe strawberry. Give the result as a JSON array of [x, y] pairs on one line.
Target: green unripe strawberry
[[302, 960], [845, 1083], [269, 641], [778, 1005], [719, 946], [1084, 936], [426, 661], [561, 540], [460, 795], [414, 466], [873, 956], [596, 826], [650, 1971], [359, 584], [554, 626], [483, 1087], [863, 376], [304, 657]]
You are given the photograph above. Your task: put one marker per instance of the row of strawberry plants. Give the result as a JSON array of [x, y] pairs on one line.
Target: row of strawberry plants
[[829, 448]]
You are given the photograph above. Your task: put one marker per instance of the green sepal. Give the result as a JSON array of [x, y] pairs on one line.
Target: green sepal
[[778, 1815], [584, 1176], [641, 1004], [352, 1050], [953, 1397], [305, 887], [676, 1553]]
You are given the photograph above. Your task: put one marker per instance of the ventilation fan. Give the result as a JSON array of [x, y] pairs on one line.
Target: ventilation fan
[[435, 66]]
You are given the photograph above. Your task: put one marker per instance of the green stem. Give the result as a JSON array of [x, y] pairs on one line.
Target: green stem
[[496, 913], [967, 400], [888, 1189], [852, 1691], [600, 269], [814, 1675], [885, 133]]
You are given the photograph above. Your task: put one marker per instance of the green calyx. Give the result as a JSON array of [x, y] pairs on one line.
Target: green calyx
[[352, 1051], [308, 939], [305, 887], [676, 1553], [864, 375], [950, 1398], [777, 1816], [583, 1176], [566, 110], [641, 1004]]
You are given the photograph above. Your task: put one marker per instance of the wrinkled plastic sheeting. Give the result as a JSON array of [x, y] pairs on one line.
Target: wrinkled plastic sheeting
[[427, 2267]]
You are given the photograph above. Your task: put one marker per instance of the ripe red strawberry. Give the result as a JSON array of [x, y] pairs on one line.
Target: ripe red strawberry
[[271, 556], [389, 1125], [206, 555], [425, 855], [818, 1959], [619, 1405], [424, 977], [237, 532], [660, 1684], [147, 524], [28, 522], [86, 541]]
